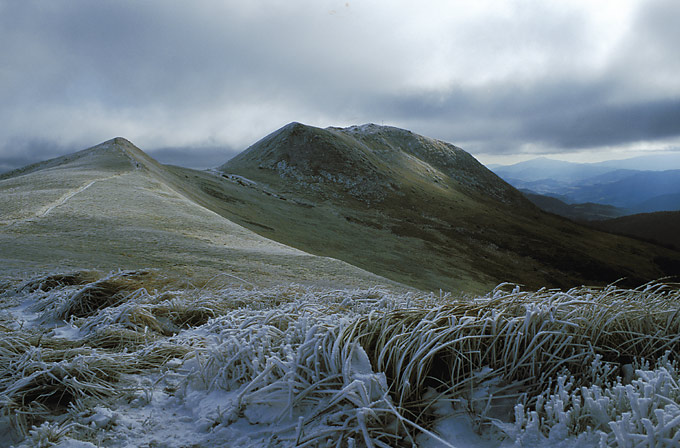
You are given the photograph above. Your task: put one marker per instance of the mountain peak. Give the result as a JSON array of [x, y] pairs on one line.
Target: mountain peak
[[369, 162], [115, 154], [116, 143], [121, 141], [367, 128]]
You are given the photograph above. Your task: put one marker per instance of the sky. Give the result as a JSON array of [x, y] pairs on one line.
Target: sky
[[194, 83]]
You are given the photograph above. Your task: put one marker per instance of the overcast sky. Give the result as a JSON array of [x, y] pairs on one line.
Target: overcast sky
[[504, 80]]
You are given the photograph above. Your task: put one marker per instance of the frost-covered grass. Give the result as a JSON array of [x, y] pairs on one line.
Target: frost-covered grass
[[118, 359], [641, 411]]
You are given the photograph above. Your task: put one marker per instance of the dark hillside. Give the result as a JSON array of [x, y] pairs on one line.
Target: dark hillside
[[415, 210], [659, 227]]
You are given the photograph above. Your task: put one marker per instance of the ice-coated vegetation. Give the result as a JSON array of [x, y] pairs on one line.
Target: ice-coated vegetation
[[132, 358], [643, 410]]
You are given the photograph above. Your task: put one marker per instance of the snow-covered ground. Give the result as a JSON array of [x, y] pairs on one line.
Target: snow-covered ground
[[128, 359]]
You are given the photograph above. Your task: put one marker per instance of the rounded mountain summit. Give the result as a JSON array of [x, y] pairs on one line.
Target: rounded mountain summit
[[419, 211], [368, 162]]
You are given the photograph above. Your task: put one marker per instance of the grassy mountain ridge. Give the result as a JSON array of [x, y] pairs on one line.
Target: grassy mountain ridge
[[448, 233], [367, 162], [154, 320], [114, 207], [407, 208]]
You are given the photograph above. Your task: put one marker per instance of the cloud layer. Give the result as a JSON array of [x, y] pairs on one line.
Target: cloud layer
[[494, 77]]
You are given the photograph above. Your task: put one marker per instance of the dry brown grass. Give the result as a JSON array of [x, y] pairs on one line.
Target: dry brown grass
[[43, 382], [59, 280], [109, 291]]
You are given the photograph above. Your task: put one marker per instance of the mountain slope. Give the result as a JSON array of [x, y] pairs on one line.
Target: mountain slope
[[412, 209], [577, 212], [369, 163], [409, 208], [113, 207], [660, 227]]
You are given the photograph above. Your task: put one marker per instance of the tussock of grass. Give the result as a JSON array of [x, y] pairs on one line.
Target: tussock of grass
[[117, 338], [525, 338], [642, 410], [48, 434], [103, 293], [12, 344], [183, 313], [58, 280], [45, 382], [132, 316], [41, 375], [156, 354]]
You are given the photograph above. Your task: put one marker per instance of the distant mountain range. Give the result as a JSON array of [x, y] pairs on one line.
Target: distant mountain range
[[359, 205], [578, 212], [639, 185]]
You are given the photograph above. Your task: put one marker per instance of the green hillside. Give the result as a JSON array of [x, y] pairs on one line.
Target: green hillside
[[412, 209]]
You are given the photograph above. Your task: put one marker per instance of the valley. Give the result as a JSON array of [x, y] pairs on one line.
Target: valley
[[639, 185]]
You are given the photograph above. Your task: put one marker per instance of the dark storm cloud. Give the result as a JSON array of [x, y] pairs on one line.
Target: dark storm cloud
[[493, 77], [496, 118], [119, 56], [84, 71], [565, 116], [608, 125], [633, 97], [21, 152]]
